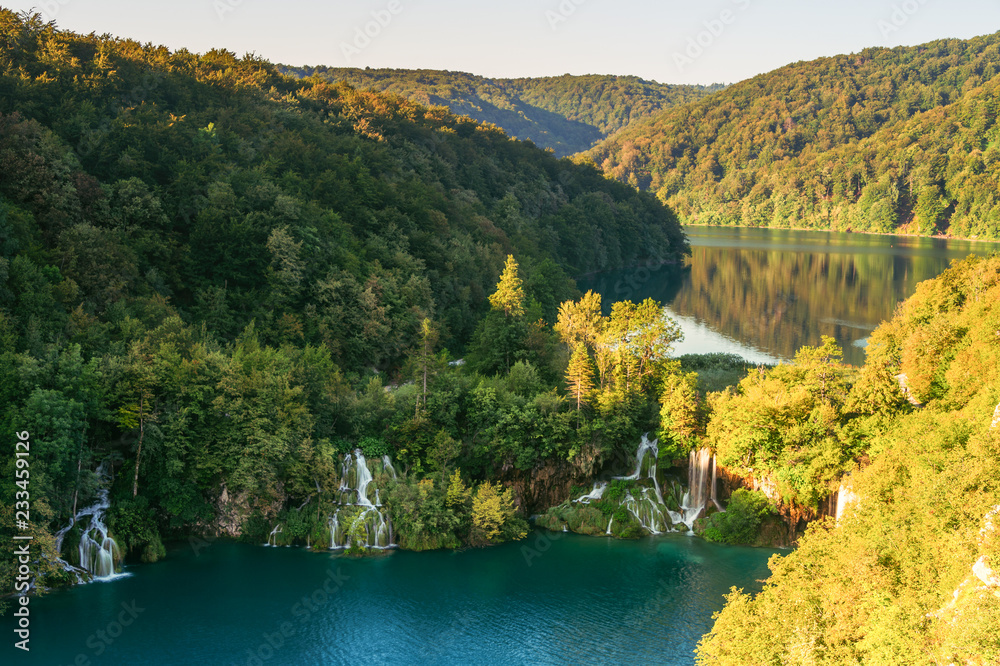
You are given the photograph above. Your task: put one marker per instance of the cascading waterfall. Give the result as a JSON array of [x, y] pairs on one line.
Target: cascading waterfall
[[367, 521], [97, 552], [649, 510], [387, 466], [641, 496], [698, 494], [595, 494], [272, 539]]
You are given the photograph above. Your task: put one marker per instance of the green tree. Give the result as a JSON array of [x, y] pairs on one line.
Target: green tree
[[509, 295], [491, 508], [579, 375], [458, 493]]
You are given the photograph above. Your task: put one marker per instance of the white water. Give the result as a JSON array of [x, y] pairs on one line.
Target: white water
[[648, 507], [272, 539], [699, 493], [97, 552], [387, 466], [595, 494], [368, 519], [845, 497]]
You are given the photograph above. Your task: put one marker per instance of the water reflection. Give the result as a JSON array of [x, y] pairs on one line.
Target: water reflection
[[763, 293]]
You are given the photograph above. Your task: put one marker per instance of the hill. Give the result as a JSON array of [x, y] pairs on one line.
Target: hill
[[216, 281], [566, 113], [885, 140]]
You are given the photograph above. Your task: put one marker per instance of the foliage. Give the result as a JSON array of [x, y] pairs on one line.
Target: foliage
[[221, 278], [892, 580], [790, 421], [491, 509], [458, 494], [681, 414], [579, 375], [716, 371], [564, 113], [882, 140], [509, 296], [740, 522]]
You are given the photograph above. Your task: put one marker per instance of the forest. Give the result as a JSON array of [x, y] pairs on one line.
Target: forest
[[219, 279], [567, 114], [907, 575], [900, 140], [221, 287]]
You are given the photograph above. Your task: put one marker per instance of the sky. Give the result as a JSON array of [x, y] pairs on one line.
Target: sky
[[670, 41]]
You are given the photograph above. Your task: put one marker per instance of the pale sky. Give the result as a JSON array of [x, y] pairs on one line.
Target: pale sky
[[670, 41]]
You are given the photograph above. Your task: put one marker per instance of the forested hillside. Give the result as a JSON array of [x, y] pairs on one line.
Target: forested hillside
[[217, 280], [884, 140], [908, 573], [566, 113]]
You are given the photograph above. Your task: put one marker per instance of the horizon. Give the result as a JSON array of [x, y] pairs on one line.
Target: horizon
[[723, 42]]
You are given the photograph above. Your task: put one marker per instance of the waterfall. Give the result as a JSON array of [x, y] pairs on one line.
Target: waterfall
[[364, 476], [646, 449], [595, 494], [367, 518], [387, 466], [714, 498], [643, 498], [698, 493], [97, 552], [272, 539], [647, 511], [845, 497]]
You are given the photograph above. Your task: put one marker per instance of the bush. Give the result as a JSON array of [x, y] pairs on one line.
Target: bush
[[740, 522], [255, 529], [373, 447], [133, 527]]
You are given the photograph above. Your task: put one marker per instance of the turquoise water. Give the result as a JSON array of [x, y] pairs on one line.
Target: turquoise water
[[550, 599]]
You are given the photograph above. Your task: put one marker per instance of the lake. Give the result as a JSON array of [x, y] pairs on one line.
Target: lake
[[764, 293], [552, 598]]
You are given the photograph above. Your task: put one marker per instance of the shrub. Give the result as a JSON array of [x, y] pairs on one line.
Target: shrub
[[740, 522]]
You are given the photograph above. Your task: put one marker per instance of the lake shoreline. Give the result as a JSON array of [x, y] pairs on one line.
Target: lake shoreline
[[846, 231]]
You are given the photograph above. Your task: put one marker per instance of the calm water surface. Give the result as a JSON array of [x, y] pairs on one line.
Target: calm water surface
[[764, 293], [571, 599]]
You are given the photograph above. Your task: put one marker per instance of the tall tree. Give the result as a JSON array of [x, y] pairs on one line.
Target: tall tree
[[428, 338], [509, 295], [581, 321], [579, 374], [139, 400]]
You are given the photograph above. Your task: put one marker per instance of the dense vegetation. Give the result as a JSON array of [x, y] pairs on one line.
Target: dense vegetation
[[892, 582], [884, 140], [566, 113], [218, 279]]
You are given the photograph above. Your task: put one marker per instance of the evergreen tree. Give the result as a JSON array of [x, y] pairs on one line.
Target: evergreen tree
[[509, 296], [579, 374], [458, 494]]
